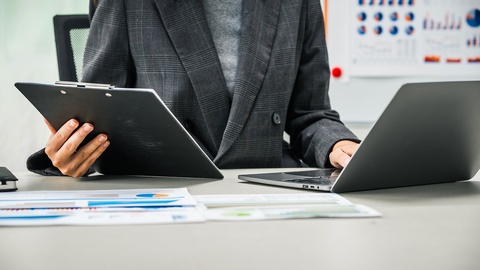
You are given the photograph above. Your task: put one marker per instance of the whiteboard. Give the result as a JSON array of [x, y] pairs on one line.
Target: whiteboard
[[375, 46]]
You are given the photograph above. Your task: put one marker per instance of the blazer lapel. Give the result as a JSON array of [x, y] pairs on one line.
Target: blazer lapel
[[188, 29], [259, 26]]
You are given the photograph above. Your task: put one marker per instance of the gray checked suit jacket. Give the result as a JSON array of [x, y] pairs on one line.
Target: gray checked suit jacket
[[281, 85]]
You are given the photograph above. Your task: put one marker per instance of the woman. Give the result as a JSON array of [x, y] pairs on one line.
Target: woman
[[236, 74]]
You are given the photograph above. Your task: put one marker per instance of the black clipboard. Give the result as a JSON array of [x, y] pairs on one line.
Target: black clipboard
[[145, 137]]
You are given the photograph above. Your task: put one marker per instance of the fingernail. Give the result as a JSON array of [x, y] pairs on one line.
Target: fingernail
[[72, 123], [87, 127], [102, 138]]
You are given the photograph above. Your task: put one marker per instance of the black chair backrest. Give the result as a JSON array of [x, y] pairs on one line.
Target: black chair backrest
[[71, 32]]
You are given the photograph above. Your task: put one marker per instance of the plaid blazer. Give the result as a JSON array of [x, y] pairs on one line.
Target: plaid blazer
[[281, 85]]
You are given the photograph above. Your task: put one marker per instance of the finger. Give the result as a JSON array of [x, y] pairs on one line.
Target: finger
[[78, 163], [50, 127], [343, 160], [88, 162], [339, 159], [84, 153], [71, 145], [342, 153], [61, 136], [62, 158], [349, 150]]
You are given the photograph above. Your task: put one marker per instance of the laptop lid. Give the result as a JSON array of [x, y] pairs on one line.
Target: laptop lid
[[146, 138], [429, 133]]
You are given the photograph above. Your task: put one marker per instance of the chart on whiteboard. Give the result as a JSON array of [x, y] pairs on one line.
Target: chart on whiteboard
[[415, 37]]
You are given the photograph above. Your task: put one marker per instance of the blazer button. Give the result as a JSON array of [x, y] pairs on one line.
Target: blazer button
[[277, 120]]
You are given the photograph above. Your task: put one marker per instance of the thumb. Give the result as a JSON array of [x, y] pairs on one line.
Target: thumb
[[50, 127]]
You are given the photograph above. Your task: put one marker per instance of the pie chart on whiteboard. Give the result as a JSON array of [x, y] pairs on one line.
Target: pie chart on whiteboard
[[473, 18]]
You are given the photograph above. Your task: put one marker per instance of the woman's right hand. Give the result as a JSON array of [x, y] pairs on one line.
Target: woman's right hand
[[62, 148]]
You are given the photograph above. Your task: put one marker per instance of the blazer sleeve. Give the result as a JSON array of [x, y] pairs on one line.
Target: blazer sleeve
[[311, 123]]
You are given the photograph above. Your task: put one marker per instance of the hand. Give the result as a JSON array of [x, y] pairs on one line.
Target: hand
[[62, 148], [342, 153]]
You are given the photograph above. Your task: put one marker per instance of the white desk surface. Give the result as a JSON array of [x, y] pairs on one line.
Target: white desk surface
[[425, 227]]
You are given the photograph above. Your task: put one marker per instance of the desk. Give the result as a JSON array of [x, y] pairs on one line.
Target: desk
[[426, 227]]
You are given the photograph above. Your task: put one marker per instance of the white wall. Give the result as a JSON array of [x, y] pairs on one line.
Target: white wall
[[27, 53]]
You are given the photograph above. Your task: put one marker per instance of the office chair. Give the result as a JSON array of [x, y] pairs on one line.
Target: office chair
[[71, 33]]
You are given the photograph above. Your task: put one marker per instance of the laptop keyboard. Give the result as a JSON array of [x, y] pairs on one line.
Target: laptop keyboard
[[319, 180]]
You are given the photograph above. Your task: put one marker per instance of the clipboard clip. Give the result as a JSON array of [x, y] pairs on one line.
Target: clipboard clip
[[83, 84]]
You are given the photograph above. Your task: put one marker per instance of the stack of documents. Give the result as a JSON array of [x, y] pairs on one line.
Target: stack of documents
[[98, 207], [156, 206]]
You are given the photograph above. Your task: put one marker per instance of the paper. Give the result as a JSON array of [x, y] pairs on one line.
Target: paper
[[287, 212], [98, 207], [280, 206], [96, 198], [159, 206], [269, 199], [102, 216]]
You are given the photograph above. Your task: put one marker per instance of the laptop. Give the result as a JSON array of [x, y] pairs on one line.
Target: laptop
[[428, 134], [145, 137]]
